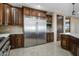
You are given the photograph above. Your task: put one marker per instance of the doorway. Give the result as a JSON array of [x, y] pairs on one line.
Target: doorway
[[60, 25]]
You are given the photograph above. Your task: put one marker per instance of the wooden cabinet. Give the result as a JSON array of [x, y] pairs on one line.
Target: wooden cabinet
[[26, 11], [70, 43], [1, 14], [10, 15], [77, 47], [7, 14], [49, 18], [18, 17], [73, 45], [16, 41], [38, 13], [33, 12], [50, 37], [65, 42]]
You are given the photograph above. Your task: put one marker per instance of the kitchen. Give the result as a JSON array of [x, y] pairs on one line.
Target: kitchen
[[26, 27]]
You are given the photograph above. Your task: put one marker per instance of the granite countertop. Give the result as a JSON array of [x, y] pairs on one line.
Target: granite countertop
[[71, 34], [4, 35]]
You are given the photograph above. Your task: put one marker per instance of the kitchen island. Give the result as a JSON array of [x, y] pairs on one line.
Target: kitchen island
[[70, 42]]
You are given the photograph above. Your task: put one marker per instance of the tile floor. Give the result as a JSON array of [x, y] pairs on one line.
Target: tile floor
[[49, 49]]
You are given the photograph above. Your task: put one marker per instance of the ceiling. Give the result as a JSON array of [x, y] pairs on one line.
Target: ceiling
[[65, 8]]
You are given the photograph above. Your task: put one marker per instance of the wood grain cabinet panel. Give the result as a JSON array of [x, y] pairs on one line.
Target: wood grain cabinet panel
[[50, 37], [49, 18], [26, 11], [7, 14], [20, 17], [66, 42], [16, 41], [1, 14], [42, 14], [33, 12], [70, 43]]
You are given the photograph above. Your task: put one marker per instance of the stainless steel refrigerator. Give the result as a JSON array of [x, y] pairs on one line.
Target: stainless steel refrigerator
[[34, 31]]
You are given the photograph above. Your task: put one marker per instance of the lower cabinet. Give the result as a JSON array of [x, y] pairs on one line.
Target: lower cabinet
[[65, 42], [50, 37], [16, 41], [70, 43]]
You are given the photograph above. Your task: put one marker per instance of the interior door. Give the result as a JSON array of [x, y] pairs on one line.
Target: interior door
[[41, 31], [59, 26], [29, 31]]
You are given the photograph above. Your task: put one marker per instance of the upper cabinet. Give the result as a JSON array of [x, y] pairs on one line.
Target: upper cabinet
[[17, 16], [49, 19], [38, 13], [26, 11], [33, 12], [7, 15], [1, 14], [10, 15], [20, 17]]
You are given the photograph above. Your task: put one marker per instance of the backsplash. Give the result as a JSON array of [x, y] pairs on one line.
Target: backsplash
[[11, 29]]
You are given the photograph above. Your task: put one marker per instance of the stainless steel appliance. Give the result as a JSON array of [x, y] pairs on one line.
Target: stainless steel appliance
[[4, 46], [34, 30]]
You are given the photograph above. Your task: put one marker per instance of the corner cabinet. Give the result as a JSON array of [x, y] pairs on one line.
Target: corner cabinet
[[16, 41]]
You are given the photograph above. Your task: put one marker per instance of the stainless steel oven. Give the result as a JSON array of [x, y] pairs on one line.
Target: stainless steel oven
[[5, 49]]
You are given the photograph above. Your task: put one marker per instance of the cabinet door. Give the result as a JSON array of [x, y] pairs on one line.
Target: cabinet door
[[74, 46], [77, 47], [16, 41], [7, 14], [20, 40], [41, 14], [16, 20], [1, 14], [64, 41], [33, 12], [20, 17], [26, 11], [49, 37], [49, 18], [17, 17], [13, 41]]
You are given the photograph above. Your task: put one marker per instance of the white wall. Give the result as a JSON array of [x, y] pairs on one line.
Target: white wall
[[74, 25]]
